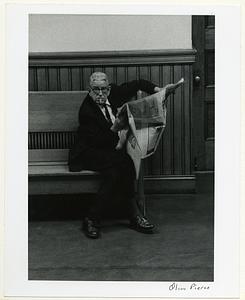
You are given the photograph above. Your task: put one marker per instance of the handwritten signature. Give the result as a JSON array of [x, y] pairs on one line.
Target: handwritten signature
[[193, 286]]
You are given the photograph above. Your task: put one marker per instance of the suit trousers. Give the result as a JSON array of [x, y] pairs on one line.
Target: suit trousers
[[117, 180]]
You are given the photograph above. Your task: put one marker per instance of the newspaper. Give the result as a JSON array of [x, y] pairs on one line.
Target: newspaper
[[140, 124]]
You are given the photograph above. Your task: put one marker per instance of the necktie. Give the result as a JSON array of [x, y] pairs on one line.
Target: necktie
[[108, 117]]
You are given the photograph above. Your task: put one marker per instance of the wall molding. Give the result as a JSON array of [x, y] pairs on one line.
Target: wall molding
[[146, 57]]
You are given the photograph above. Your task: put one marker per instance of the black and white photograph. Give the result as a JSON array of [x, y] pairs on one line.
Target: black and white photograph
[[122, 154], [83, 178]]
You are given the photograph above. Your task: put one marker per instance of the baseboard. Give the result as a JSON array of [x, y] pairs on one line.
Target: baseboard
[[170, 184], [76, 185]]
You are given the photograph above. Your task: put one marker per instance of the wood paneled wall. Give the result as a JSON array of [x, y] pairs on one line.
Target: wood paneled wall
[[70, 72]]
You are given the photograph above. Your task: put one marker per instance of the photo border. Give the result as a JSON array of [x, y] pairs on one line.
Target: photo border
[[222, 108]]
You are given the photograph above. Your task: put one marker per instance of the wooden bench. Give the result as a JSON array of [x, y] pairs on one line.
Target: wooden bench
[[53, 121]]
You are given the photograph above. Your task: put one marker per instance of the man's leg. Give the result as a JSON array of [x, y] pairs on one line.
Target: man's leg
[[107, 191], [126, 186], [126, 174], [111, 180], [118, 177]]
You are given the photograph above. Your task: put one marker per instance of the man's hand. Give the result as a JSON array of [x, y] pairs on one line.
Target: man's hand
[[157, 89], [121, 120], [170, 88]]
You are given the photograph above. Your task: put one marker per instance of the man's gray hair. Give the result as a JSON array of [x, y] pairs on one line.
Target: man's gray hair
[[98, 77]]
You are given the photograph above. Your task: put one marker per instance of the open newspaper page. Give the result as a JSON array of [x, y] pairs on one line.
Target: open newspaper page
[[140, 124], [147, 120]]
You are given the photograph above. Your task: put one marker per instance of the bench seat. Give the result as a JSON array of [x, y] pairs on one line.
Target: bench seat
[[56, 179], [57, 169]]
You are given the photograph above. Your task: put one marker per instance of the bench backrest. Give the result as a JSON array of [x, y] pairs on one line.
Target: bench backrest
[[53, 121]]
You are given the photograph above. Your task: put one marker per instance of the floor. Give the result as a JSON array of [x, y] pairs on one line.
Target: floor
[[181, 249]]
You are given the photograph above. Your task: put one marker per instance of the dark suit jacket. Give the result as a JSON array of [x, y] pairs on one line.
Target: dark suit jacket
[[95, 143]]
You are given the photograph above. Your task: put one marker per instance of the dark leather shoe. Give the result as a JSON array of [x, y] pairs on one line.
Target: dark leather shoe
[[141, 224], [90, 228]]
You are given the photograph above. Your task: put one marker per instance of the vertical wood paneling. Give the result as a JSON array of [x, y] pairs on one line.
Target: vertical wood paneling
[[58, 80], [173, 155], [31, 79], [35, 80], [53, 78], [126, 74], [143, 74], [156, 159], [156, 75], [131, 73], [98, 69], [178, 138], [64, 79], [69, 79], [109, 72], [75, 79], [41, 80], [114, 80], [121, 75], [172, 125], [85, 74], [166, 142], [47, 79]]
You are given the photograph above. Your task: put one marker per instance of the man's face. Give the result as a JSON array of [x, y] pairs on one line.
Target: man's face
[[99, 91]]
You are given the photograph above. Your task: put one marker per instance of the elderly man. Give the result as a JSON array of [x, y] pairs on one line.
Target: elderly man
[[95, 149]]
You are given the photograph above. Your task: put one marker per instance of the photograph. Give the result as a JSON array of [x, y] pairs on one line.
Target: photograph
[[122, 151], [121, 156]]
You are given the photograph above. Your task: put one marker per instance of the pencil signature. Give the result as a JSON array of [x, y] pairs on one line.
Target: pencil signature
[[193, 286]]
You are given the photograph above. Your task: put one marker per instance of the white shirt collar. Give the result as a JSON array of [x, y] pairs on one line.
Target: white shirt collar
[[107, 102]]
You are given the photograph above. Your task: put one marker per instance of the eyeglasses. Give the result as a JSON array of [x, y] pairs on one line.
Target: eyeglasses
[[97, 90]]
